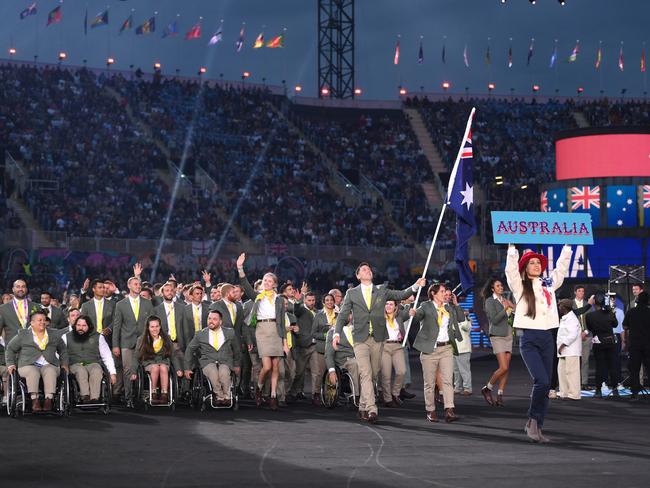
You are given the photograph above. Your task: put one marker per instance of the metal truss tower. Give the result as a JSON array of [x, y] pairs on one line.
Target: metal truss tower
[[336, 48]]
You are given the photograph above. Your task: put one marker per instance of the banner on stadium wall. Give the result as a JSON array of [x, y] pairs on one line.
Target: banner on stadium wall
[[541, 228]]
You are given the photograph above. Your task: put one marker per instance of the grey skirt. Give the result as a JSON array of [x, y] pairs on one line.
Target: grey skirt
[[269, 344], [501, 344]]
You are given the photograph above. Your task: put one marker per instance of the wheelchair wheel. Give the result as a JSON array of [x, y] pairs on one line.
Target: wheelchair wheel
[[106, 395], [197, 390], [330, 393], [234, 391]]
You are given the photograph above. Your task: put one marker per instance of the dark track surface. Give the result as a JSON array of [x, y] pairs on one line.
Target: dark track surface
[[595, 443]]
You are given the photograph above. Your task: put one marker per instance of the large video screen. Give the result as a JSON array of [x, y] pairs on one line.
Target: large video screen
[[600, 156]]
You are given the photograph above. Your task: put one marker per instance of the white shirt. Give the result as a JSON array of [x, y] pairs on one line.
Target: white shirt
[[104, 352], [40, 361], [443, 334], [220, 337], [393, 334], [266, 309]]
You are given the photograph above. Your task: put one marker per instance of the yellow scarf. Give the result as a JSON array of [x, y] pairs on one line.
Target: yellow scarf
[[442, 312], [157, 345], [270, 294], [42, 343], [390, 319], [289, 335], [331, 317]]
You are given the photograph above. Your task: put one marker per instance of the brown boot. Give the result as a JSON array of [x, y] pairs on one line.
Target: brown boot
[[315, 400], [273, 403], [363, 415], [431, 416], [258, 397], [164, 398], [85, 399], [36, 405], [47, 405], [487, 394], [450, 415]]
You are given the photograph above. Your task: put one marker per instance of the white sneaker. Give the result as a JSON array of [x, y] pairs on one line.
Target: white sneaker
[[552, 395]]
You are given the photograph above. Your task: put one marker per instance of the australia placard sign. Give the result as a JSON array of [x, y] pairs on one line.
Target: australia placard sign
[[541, 228]]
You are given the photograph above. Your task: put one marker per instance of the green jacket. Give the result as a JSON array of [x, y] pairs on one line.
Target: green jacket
[[337, 358], [279, 307], [427, 315], [126, 329], [179, 321], [362, 316], [497, 318], [319, 330], [306, 319], [229, 352], [23, 351]]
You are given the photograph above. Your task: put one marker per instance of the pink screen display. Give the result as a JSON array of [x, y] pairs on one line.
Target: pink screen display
[[600, 156]]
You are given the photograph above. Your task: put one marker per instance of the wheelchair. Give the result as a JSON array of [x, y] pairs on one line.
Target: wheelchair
[[19, 401], [143, 391], [201, 392], [104, 403], [342, 392]]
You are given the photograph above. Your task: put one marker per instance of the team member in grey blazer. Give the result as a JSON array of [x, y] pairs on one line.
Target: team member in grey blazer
[[129, 323], [268, 319], [57, 319], [97, 307], [304, 346], [392, 356], [343, 357], [436, 342], [14, 315], [231, 311], [38, 354], [196, 313], [172, 320], [498, 310], [323, 322], [218, 352], [366, 302]]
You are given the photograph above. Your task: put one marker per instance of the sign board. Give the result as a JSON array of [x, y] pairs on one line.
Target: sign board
[[541, 228]]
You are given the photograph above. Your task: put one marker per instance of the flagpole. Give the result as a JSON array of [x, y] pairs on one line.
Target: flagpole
[[450, 186]]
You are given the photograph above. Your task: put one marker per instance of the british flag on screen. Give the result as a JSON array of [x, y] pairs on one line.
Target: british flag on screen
[[586, 199], [543, 204], [644, 194]]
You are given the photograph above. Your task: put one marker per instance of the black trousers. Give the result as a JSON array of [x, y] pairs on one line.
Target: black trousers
[[638, 355], [605, 363]]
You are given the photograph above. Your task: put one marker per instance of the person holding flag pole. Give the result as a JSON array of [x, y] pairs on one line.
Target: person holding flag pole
[[439, 330]]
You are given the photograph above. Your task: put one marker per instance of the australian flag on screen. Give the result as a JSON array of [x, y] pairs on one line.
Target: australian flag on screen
[[553, 200], [461, 200], [621, 206]]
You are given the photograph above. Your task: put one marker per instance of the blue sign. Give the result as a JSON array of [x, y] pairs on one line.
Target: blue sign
[[541, 228]]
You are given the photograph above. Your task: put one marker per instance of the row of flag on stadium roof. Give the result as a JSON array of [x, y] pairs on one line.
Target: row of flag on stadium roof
[[149, 26], [572, 58]]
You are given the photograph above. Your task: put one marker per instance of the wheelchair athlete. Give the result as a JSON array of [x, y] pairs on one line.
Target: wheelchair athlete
[[154, 352], [87, 350], [38, 354], [343, 359], [218, 352]]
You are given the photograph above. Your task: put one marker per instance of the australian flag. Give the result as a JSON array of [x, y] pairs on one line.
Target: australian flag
[[31, 10], [622, 206], [461, 200], [553, 200]]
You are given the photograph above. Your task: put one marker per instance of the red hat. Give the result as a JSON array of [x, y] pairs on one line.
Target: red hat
[[523, 261]]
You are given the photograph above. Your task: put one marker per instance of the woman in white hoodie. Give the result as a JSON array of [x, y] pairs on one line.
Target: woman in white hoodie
[[536, 315], [569, 351]]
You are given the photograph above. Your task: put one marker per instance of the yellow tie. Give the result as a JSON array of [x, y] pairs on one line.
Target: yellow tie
[[367, 294], [42, 343], [172, 323], [233, 314], [100, 310], [136, 308], [20, 313], [215, 344], [347, 330], [289, 338], [157, 345], [197, 322]]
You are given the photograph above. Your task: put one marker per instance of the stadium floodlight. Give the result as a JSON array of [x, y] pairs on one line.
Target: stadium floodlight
[[491, 86], [402, 91], [561, 2], [245, 74], [535, 88], [62, 56], [325, 91], [202, 70], [109, 61], [532, 2], [446, 85], [157, 66], [357, 92], [523, 187], [12, 51], [580, 90], [298, 89]]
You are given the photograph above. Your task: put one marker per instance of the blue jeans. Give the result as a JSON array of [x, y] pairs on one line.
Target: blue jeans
[[537, 349]]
